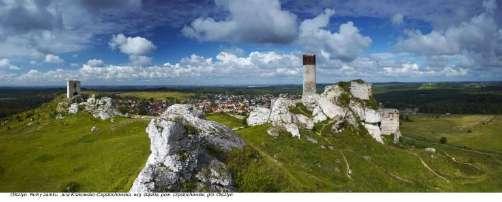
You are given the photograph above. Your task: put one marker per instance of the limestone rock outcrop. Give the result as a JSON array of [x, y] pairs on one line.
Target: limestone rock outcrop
[[259, 116], [101, 108], [360, 90], [181, 141], [73, 109], [350, 103], [281, 117]]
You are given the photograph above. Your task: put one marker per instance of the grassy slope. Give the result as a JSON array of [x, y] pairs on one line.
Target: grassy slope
[[49, 154], [482, 132], [355, 162], [226, 119]]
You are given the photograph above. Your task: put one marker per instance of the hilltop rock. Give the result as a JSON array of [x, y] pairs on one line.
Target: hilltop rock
[[73, 109], [332, 92], [180, 147], [304, 121], [360, 90], [330, 109], [292, 129], [214, 133], [374, 131], [318, 115], [371, 116], [280, 114], [259, 116], [338, 103], [281, 117], [101, 108]]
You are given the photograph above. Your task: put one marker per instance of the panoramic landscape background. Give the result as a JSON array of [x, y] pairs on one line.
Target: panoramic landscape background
[[142, 62]]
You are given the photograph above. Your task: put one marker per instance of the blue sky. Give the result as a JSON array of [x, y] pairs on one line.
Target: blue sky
[[246, 42]]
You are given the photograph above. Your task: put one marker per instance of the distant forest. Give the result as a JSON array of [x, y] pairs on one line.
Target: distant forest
[[15, 100], [469, 99]]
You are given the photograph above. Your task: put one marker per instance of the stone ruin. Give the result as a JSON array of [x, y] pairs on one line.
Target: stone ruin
[[102, 108], [390, 121], [309, 74], [338, 104], [72, 89]]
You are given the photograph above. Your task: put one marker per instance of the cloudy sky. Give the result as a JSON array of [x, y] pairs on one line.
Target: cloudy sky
[[247, 42]]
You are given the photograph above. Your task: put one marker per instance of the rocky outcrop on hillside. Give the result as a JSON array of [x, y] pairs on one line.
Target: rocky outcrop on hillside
[[184, 150], [345, 102], [102, 108], [258, 116]]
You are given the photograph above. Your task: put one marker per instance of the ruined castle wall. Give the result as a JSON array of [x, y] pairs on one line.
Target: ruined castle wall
[[360, 90], [390, 121], [72, 88]]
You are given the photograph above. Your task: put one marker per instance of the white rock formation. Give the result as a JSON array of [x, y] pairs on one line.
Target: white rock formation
[[93, 129], [259, 116], [292, 129], [304, 121], [332, 92], [371, 116], [279, 113], [73, 109], [357, 108], [330, 109], [360, 90], [326, 106], [281, 117], [179, 140], [430, 149], [374, 131], [102, 108], [318, 115]]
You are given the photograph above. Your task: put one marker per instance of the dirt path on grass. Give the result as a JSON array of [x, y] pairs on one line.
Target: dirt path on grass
[[492, 154], [281, 166], [348, 171], [428, 167]]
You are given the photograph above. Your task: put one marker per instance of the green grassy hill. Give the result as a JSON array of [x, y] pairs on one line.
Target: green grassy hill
[[481, 132], [353, 162], [41, 153]]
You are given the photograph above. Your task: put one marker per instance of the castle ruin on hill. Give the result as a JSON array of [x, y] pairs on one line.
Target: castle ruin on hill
[[72, 88], [309, 74], [388, 121]]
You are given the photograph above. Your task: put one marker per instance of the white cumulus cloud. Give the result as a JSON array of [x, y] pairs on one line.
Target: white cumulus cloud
[[131, 45], [479, 38], [136, 47], [50, 58], [95, 62], [346, 44], [249, 21], [5, 64]]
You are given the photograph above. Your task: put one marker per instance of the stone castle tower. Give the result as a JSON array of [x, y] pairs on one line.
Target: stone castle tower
[[309, 75], [72, 88]]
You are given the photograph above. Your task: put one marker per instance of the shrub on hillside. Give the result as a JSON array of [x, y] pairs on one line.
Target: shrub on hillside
[[443, 140]]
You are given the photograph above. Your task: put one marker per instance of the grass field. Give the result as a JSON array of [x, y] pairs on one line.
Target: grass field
[[483, 132], [353, 162], [226, 119], [40, 153], [158, 95]]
